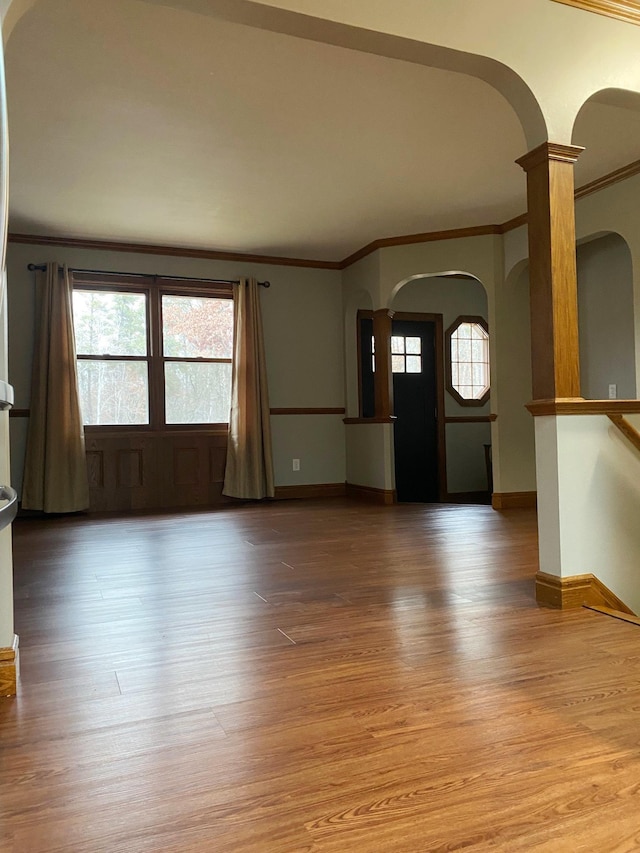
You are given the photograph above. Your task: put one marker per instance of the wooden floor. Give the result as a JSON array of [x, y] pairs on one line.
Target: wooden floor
[[326, 677]]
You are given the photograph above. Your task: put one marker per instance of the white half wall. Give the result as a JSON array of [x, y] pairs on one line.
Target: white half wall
[[589, 522], [370, 455]]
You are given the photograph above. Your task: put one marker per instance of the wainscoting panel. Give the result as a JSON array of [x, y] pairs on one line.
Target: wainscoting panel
[[160, 470]]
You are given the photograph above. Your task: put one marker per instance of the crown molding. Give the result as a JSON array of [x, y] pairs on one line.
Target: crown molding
[[622, 10], [426, 237], [174, 251], [565, 153]]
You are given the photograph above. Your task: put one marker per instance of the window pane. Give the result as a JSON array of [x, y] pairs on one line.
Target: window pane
[[113, 392], [397, 364], [464, 373], [414, 345], [414, 364], [480, 375], [197, 327], [110, 323], [464, 350], [397, 343], [197, 393]]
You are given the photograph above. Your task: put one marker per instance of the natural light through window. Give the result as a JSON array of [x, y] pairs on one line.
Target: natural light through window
[[469, 379], [151, 358], [406, 354]]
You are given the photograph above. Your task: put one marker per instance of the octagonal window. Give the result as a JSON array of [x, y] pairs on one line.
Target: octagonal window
[[467, 351]]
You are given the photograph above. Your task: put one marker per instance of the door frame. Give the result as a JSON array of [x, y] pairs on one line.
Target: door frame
[[436, 319]]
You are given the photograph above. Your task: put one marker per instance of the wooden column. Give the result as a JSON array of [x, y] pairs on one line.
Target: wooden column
[[552, 264], [383, 388]]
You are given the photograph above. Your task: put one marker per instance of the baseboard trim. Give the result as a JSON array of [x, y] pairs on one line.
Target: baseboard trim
[[576, 591], [514, 500], [383, 497], [9, 665], [310, 490], [468, 498]]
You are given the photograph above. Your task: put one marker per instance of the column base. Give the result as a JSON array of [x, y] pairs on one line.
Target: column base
[[575, 591], [9, 668]]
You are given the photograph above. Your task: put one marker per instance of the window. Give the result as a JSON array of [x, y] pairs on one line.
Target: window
[[406, 354], [150, 355], [467, 352]]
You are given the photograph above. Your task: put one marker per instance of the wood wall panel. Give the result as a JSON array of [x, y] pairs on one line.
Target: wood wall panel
[[186, 466], [155, 470], [95, 469], [129, 468], [217, 463]]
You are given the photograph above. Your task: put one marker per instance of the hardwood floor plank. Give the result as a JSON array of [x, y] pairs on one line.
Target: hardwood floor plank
[[423, 703]]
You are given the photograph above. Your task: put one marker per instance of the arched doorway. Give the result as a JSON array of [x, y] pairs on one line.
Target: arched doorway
[[442, 432], [606, 318]]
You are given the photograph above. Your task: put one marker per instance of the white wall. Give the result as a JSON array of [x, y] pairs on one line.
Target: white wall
[[605, 313], [592, 527], [370, 455], [302, 316]]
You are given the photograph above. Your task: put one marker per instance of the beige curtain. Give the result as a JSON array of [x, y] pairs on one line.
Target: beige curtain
[[55, 474], [249, 471]]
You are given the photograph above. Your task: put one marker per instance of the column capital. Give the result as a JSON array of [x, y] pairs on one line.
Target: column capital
[[550, 151]]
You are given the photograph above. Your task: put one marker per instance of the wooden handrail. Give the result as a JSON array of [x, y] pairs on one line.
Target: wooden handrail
[[617, 614], [580, 406], [626, 428]]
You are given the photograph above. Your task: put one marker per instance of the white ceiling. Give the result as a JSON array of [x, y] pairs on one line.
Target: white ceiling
[[139, 123]]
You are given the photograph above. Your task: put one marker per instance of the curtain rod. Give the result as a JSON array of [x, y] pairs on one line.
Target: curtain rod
[[42, 268]]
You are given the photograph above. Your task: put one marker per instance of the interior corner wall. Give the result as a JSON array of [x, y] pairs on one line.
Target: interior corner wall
[[302, 319], [605, 314]]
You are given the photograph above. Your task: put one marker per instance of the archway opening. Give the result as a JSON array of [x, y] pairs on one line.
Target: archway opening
[[442, 435], [606, 318]]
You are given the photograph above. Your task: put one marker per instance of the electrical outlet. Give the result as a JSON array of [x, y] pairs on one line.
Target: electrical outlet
[[296, 464], [613, 392]]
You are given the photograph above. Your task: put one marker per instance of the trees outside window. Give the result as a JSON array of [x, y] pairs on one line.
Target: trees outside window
[[467, 361], [153, 356]]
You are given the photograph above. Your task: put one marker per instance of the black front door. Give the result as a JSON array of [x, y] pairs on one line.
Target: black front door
[[414, 405]]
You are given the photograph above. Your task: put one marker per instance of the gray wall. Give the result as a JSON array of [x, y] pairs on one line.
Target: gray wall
[[606, 320], [302, 315]]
